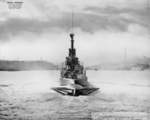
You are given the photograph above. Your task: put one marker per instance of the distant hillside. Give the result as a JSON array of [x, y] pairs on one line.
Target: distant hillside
[[135, 64], [6, 65]]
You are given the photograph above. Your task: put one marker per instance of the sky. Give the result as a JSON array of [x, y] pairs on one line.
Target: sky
[[105, 30]]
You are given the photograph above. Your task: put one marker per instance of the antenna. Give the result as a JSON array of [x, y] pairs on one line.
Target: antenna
[[72, 51], [72, 21], [72, 32]]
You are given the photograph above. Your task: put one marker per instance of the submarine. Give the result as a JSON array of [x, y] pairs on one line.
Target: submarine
[[73, 78]]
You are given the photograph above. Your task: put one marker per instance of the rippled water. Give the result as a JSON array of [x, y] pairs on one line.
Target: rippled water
[[27, 95]]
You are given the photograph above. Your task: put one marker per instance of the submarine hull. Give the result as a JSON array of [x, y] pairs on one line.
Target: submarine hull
[[75, 91], [73, 79], [75, 87]]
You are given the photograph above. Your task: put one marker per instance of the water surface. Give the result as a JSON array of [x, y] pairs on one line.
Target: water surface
[[27, 95]]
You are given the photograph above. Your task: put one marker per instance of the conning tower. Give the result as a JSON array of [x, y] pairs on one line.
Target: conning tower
[[72, 60]]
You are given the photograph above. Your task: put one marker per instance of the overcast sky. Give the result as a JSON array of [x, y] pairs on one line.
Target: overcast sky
[[104, 30]]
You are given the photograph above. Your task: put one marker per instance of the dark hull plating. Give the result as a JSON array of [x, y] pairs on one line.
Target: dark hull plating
[[75, 92]]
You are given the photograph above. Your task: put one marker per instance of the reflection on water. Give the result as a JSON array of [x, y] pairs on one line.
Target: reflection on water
[[26, 95], [30, 81], [108, 81], [128, 82]]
